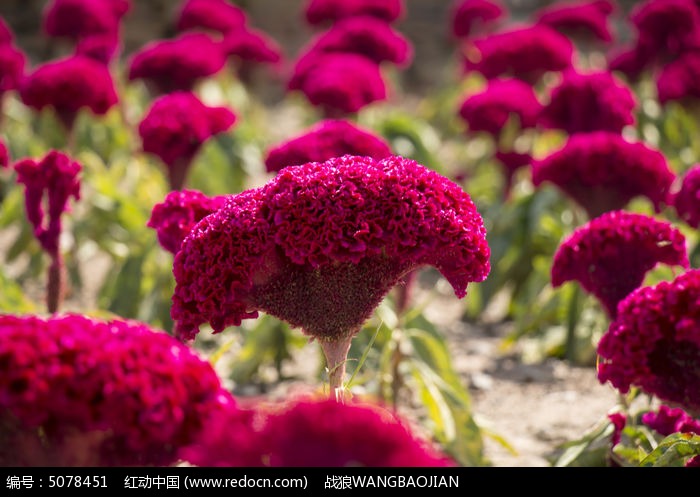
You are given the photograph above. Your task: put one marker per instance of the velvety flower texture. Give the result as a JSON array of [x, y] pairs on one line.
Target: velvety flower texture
[[79, 391], [174, 217], [329, 11], [176, 126], [679, 79], [68, 85], [77, 19], [310, 432], [593, 101], [321, 244], [611, 254], [177, 64], [49, 182], [502, 99], [654, 342], [220, 16], [602, 172], [579, 19], [522, 52], [686, 200], [668, 420], [327, 139], [339, 83], [469, 17]]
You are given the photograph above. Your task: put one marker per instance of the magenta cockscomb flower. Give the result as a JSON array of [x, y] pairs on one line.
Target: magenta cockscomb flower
[[12, 66], [501, 100], [78, 391], [686, 201], [69, 85], [6, 33], [471, 17], [630, 61], [521, 52], [583, 20], [602, 171], [4, 156], [667, 420], [174, 217], [102, 48], [654, 342], [252, 45], [592, 101], [679, 79], [365, 35], [177, 64], [610, 255], [327, 139], [77, 19], [338, 83], [218, 16], [175, 127], [320, 246], [329, 11]]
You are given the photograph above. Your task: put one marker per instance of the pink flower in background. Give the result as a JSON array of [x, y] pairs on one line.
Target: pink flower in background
[[327, 139], [69, 85], [511, 162], [78, 391], [4, 156], [679, 79], [251, 45], [654, 343], [337, 82], [618, 420], [610, 255], [632, 62], [668, 420], [12, 65], [593, 101], [525, 53], [329, 11], [584, 20], [102, 48], [489, 109], [174, 217], [471, 17], [177, 64], [219, 16], [78, 19], [686, 201], [602, 171], [176, 126], [6, 34]]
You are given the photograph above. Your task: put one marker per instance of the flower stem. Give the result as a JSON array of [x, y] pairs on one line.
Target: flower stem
[[56, 286], [336, 352]]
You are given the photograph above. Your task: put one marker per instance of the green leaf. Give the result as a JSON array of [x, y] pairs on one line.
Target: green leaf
[[674, 450]]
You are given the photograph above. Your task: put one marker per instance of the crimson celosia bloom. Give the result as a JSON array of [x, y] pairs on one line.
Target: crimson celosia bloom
[[618, 420], [686, 201], [77, 19], [4, 156], [323, 11], [6, 34], [469, 17], [602, 171], [374, 38], [632, 61], [339, 83], [667, 420], [174, 217], [679, 79], [327, 139], [220, 16], [102, 48], [177, 64], [521, 52], [176, 126], [78, 391], [12, 63], [251, 45], [593, 101], [654, 342], [610, 255], [68, 85], [502, 99], [579, 19]]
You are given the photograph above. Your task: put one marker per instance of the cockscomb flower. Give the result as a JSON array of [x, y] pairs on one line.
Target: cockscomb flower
[[219, 16], [69, 85], [79, 391], [469, 17], [12, 64], [583, 20], [654, 342], [77, 19], [678, 80], [525, 53], [102, 48], [610, 255], [177, 64], [174, 217], [339, 83], [251, 45], [631, 61], [4, 156], [327, 139], [489, 109], [329, 11], [365, 35], [667, 420], [602, 171], [321, 244], [175, 127], [593, 101], [686, 201], [6, 34]]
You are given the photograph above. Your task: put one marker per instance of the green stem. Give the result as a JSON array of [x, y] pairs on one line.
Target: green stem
[[336, 353], [572, 316]]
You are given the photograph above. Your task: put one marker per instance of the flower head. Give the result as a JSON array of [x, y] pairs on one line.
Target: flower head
[[177, 64], [322, 11], [602, 171], [68, 85], [583, 19], [78, 19], [102, 48], [248, 44], [219, 16], [327, 139], [654, 342], [686, 200], [4, 156], [594, 101], [611, 254], [321, 244], [678, 80], [6, 34], [174, 217], [12, 64], [78, 391], [667, 420], [468, 17]]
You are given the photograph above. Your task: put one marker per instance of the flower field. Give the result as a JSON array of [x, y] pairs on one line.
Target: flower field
[[172, 241]]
